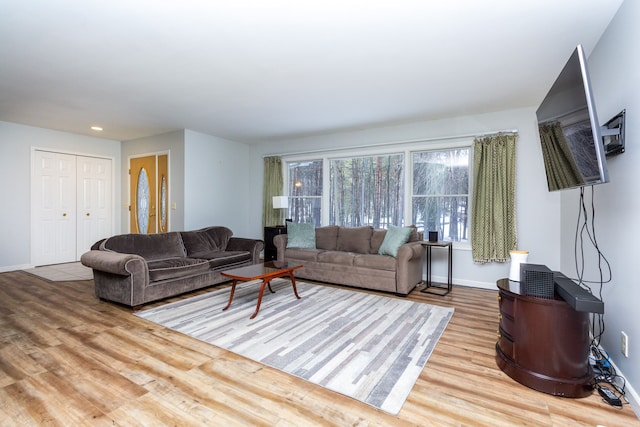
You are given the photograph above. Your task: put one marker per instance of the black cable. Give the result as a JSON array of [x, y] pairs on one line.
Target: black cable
[[584, 226], [605, 373]]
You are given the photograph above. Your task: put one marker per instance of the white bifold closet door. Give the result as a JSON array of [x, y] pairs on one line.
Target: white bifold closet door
[[71, 205]]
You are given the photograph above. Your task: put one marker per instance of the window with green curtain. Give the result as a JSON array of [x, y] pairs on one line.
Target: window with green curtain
[[493, 222], [273, 184]]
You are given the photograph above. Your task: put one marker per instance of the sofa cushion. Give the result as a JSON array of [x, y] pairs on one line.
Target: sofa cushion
[[148, 246], [375, 262], [379, 234], [227, 259], [355, 239], [302, 254], [301, 235], [395, 237], [327, 237], [336, 257], [376, 239], [206, 240], [171, 268]]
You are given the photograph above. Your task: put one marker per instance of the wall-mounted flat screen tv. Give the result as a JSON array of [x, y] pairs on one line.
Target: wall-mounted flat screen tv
[[570, 135]]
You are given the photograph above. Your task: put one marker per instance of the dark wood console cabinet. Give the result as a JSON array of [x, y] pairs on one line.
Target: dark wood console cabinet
[[270, 251], [543, 343]]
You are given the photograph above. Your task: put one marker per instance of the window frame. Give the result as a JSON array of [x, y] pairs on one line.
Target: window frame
[[469, 145], [287, 190], [403, 160], [406, 148]]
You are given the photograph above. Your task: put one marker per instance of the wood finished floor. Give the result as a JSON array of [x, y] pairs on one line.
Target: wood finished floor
[[67, 358]]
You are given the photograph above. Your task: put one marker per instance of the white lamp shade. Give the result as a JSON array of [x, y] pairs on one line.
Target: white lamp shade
[[280, 202]]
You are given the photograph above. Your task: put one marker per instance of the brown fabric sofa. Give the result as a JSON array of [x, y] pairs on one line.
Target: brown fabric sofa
[[134, 269], [349, 256]]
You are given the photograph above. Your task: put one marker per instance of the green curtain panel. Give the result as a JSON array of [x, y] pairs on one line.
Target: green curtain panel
[[562, 171], [493, 221], [273, 184]]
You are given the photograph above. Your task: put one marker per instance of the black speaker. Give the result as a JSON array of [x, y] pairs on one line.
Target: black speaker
[[433, 236], [536, 280]]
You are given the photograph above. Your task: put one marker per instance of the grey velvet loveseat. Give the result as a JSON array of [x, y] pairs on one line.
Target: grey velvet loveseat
[[350, 256], [134, 269]]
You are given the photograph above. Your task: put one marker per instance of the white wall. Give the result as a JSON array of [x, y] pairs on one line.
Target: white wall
[[614, 66], [16, 142], [538, 211], [172, 143], [217, 184], [208, 180]]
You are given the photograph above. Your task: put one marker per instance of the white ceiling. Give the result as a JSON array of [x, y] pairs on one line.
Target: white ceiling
[[258, 70]]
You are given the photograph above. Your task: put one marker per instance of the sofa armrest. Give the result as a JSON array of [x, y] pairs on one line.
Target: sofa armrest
[[113, 262], [242, 244], [280, 242], [117, 276], [410, 263], [410, 251]]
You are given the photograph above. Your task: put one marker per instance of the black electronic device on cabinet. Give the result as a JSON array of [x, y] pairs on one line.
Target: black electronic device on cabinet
[[577, 297]]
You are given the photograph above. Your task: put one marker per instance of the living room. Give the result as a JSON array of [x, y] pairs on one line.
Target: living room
[[208, 188]]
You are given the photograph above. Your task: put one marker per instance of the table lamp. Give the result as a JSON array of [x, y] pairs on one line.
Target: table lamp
[[280, 202]]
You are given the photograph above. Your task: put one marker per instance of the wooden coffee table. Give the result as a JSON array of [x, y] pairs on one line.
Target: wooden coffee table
[[266, 272]]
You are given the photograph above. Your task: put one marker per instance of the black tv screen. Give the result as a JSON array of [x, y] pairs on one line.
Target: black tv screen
[[570, 136]]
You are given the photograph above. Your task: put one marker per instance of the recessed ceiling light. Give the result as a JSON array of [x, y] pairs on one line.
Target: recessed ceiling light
[[96, 128]]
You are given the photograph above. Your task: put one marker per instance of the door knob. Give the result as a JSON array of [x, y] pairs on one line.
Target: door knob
[[64, 214], [88, 214]]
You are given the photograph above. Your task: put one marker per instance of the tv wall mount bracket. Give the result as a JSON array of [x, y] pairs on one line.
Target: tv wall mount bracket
[[613, 134]]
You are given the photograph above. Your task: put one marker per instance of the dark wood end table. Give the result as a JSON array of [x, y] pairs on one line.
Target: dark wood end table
[[265, 272]]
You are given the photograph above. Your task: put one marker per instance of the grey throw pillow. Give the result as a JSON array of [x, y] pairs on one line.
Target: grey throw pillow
[[301, 235], [395, 237]]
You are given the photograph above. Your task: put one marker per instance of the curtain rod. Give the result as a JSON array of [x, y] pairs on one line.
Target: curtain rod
[[564, 115], [410, 141]]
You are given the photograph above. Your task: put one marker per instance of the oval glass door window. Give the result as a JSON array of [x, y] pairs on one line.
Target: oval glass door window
[[163, 204], [142, 203]]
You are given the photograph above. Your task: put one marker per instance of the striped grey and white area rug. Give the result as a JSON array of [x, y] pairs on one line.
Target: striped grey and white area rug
[[368, 347]]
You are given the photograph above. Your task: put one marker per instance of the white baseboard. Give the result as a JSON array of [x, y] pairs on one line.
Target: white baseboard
[[15, 267], [470, 283]]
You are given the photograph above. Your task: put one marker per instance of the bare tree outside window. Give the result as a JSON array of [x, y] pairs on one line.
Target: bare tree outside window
[[305, 191], [440, 200], [367, 191]]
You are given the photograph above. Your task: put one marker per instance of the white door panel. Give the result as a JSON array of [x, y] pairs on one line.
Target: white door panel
[[94, 202], [54, 208], [71, 205]]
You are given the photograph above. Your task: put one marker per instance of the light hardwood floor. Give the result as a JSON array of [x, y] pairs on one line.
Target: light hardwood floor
[[67, 358]]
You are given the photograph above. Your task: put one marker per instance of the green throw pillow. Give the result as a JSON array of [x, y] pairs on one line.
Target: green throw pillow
[[301, 235], [395, 237]]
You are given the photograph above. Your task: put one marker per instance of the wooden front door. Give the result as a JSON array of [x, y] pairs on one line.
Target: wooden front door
[[143, 190], [163, 193]]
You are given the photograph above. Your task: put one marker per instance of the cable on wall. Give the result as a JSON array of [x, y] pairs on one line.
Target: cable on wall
[[605, 375]]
